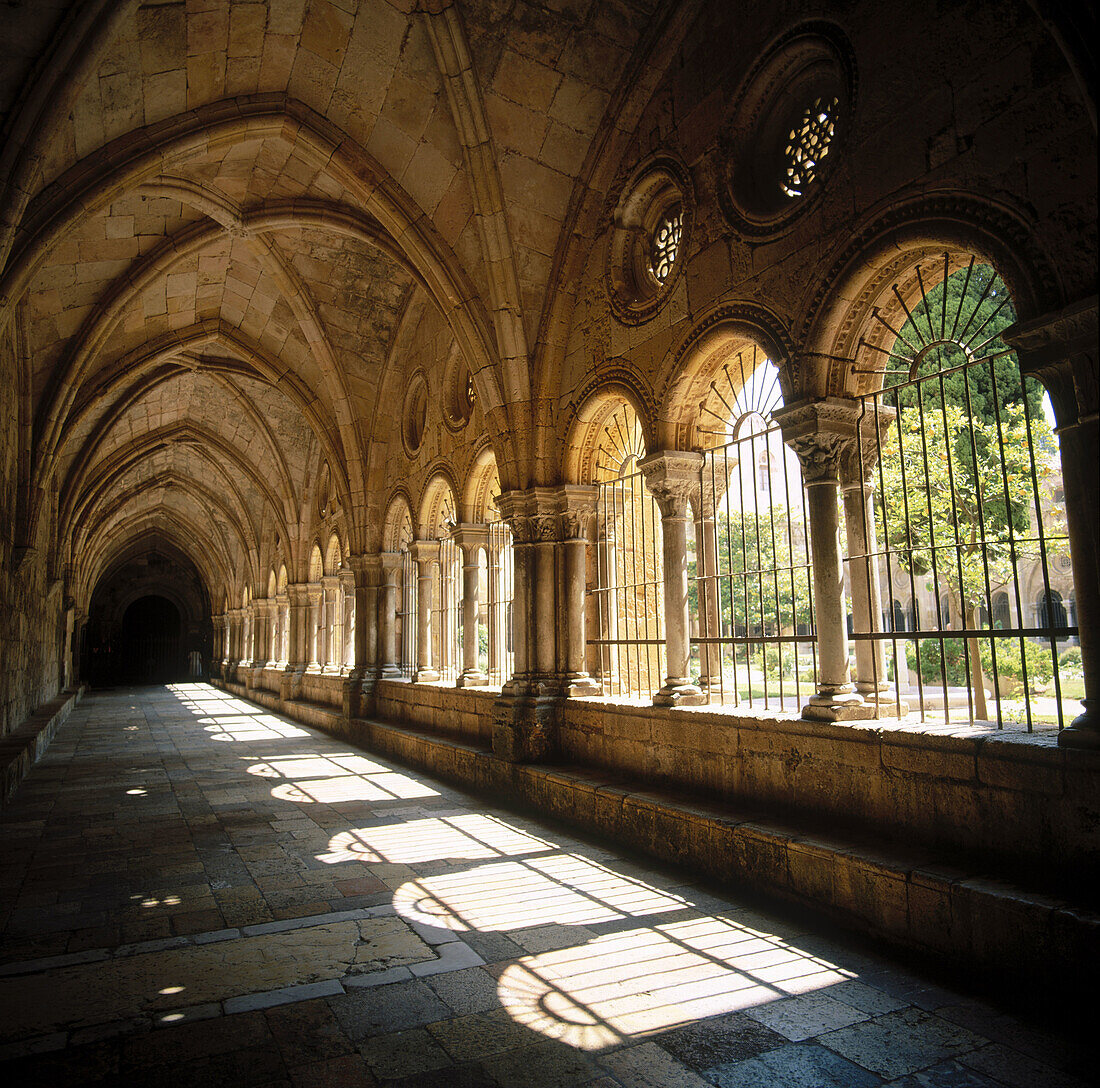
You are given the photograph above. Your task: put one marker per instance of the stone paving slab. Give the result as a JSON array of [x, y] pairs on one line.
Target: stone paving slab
[[330, 918]]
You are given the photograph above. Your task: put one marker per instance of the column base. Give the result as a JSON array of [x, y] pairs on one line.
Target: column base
[[677, 692], [472, 679], [1083, 731], [425, 676], [390, 672], [579, 685], [884, 700], [837, 707]]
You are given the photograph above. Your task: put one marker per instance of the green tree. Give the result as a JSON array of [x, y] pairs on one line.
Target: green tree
[[957, 469]]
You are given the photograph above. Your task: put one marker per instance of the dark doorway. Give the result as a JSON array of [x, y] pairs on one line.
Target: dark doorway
[[148, 649]]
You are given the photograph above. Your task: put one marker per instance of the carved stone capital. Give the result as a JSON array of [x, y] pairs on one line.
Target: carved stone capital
[[818, 431], [673, 478], [424, 552], [577, 505]]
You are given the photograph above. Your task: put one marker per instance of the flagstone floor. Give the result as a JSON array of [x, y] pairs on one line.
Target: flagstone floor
[[197, 892]]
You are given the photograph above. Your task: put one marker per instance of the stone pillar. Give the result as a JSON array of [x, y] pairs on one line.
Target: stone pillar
[[360, 582], [331, 640], [313, 626], [673, 478], [818, 432], [547, 526], [857, 467], [389, 669], [578, 514], [470, 540], [426, 554], [711, 492], [298, 612], [513, 508], [1060, 350], [523, 718], [350, 612], [282, 630]]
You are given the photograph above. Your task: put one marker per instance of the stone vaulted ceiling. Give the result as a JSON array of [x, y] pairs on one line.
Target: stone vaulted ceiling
[[216, 217]]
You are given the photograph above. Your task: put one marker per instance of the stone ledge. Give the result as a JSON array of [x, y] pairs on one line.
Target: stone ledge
[[24, 746]]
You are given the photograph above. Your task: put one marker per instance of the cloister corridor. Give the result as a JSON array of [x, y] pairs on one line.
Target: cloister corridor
[[196, 891]]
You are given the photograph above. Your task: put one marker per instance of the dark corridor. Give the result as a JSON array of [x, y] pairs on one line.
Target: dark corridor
[[146, 649]]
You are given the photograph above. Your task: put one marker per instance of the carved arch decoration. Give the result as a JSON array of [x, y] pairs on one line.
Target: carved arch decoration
[[482, 488], [397, 526], [316, 564], [334, 554], [607, 430], [880, 254], [587, 412], [686, 383], [438, 512]]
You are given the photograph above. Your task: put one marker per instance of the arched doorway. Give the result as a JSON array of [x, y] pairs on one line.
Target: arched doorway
[[149, 650]]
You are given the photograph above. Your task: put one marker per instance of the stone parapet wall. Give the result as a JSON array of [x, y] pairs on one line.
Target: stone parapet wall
[[460, 713], [1012, 795]]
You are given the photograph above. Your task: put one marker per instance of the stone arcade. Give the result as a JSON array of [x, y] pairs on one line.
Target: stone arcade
[[510, 390]]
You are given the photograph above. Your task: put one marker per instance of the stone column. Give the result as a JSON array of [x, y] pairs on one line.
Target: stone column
[[470, 540], [818, 432], [389, 668], [1060, 350], [578, 514], [333, 613], [673, 478], [513, 508], [282, 629], [857, 485], [313, 628], [711, 492], [544, 644], [360, 583], [350, 612], [298, 613], [426, 554]]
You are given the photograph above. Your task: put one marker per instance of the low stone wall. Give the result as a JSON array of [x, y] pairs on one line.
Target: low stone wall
[[24, 746], [1012, 796], [462, 713]]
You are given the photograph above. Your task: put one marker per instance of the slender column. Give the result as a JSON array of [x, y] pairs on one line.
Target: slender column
[[547, 527], [333, 618], [387, 616], [282, 630], [470, 540], [578, 515], [673, 478], [497, 621], [351, 611], [513, 508], [706, 547], [313, 621], [819, 432], [1061, 351], [298, 609], [857, 465], [426, 553]]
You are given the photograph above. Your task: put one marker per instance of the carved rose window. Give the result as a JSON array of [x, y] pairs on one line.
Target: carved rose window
[[808, 144]]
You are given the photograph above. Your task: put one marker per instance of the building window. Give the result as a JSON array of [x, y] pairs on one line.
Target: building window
[[666, 243], [808, 144]]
